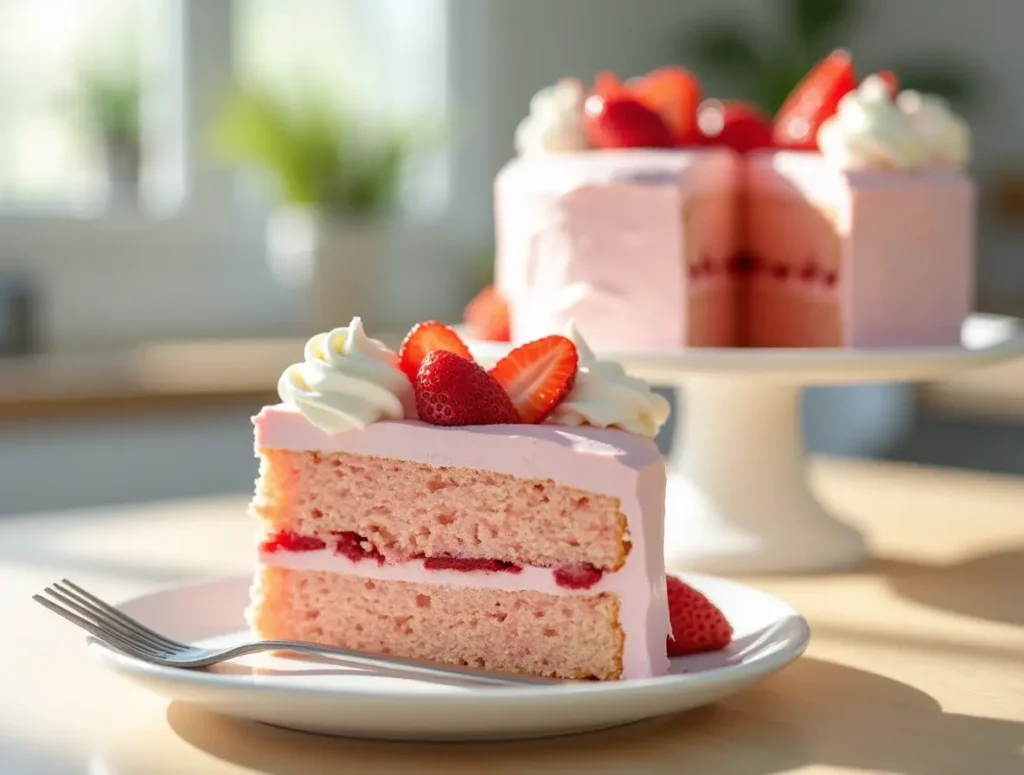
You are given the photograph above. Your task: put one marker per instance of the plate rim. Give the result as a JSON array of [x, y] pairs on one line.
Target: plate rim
[[796, 644]]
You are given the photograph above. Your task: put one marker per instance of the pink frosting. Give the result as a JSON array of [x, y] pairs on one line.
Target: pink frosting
[[607, 462], [603, 238]]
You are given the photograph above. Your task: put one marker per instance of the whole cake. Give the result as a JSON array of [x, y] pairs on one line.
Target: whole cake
[[656, 219], [415, 504]]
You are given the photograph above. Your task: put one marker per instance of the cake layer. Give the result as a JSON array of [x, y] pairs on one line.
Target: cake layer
[[613, 240], [572, 637], [405, 509]]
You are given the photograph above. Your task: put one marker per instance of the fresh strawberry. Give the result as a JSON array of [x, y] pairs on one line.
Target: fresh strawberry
[[487, 316], [623, 122], [538, 375], [422, 340], [739, 125], [697, 625], [452, 390], [608, 84], [814, 99], [673, 93], [892, 83]]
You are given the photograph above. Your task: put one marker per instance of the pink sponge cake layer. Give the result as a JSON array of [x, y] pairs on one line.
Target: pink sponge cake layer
[[566, 521], [523, 631]]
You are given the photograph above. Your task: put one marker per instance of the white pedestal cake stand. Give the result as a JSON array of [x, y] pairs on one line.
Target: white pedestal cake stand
[[738, 495]]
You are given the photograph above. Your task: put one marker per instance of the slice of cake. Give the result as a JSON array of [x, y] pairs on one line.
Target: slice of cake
[[419, 506]]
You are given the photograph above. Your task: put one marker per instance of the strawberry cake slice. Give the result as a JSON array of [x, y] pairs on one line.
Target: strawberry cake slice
[[415, 504]]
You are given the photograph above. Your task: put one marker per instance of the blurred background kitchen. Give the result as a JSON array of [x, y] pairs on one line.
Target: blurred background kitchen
[[182, 180]]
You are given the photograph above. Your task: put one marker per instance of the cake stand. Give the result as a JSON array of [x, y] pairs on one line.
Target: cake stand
[[738, 499]]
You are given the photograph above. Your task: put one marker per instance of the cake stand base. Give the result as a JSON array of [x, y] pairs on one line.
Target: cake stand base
[[738, 498]]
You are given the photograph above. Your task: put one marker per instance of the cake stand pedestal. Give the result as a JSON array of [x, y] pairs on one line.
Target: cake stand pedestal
[[738, 498]]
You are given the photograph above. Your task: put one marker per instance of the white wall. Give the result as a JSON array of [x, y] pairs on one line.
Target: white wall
[[206, 275]]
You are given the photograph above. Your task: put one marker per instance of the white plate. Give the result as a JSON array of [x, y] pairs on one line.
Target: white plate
[[325, 698]]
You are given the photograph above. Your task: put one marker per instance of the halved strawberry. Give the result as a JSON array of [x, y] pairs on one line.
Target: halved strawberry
[[892, 83], [538, 375], [623, 122], [673, 93], [814, 99], [487, 316], [608, 84], [696, 624], [739, 125], [452, 390], [422, 340]]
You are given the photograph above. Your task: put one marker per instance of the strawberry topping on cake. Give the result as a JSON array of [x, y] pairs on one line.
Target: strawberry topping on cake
[[425, 338], [538, 375], [453, 390]]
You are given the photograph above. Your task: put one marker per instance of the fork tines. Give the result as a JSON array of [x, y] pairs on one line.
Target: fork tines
[[106, 623]]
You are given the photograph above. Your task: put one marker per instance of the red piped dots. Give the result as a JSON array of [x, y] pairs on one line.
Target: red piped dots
[[356, 547], [578, 576], [288, 541], [467, 564]]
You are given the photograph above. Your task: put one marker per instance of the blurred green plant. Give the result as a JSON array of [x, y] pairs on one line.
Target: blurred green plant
[[108, 101], [765, 71], [316, 154]]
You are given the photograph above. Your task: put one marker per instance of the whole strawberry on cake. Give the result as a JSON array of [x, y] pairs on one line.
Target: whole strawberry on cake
[[418, 505]]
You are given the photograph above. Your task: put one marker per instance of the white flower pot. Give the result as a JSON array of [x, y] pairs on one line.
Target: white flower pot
[[123, 164], [335, 265]]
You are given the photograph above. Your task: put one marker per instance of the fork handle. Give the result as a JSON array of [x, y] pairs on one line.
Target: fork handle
[[374, 660]]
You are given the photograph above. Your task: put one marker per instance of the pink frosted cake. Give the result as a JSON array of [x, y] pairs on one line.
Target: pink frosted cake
[[419, 506], [655, 222]]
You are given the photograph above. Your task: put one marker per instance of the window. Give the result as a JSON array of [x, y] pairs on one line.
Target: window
[[383, 59], [51, 53]]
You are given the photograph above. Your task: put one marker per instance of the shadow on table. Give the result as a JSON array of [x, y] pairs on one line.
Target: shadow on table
[[989, 586], [813, 712]]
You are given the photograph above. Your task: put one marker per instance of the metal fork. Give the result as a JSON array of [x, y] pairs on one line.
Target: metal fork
[[119, 631]]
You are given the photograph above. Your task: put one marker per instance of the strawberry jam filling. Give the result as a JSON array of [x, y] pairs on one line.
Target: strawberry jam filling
[[287, 541], [357, 547], [466, 564], [578, 576]]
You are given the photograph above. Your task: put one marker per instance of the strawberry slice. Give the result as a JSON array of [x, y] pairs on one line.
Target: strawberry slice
[[608, 84], [623, 122], [422, 340], [452, 390], [739, 125], [892, 83], [487, 316], [538, 375], [814, 99], [673, 93], [697, 625]]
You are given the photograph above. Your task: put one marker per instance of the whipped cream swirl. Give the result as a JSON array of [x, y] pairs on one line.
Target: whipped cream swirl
[[605, 396], [555, 121], [868, 131], [946, 137], [347, 380]]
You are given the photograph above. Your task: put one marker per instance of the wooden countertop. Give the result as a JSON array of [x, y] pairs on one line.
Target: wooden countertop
[[916, 665]]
